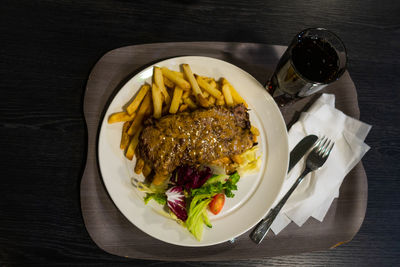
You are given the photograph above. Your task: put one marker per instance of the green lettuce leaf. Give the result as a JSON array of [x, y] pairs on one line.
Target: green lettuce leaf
[[230, 184], [218, 185], [210, 189], [197, 216], [160, 198]]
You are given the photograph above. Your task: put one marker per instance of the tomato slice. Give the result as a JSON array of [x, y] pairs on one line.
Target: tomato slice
[[217, 203]]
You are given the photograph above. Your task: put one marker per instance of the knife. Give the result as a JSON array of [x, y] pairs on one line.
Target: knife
[[301, 149]]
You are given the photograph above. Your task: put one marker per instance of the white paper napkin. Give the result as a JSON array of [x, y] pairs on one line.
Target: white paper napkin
[[315, 194]]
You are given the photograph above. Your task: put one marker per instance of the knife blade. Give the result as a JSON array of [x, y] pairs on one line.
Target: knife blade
[[301, 149]]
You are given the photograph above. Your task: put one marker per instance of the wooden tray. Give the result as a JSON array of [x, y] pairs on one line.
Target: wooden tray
[[113, 233]]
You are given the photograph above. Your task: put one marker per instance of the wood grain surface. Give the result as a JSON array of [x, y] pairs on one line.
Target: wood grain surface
[[47, 51]]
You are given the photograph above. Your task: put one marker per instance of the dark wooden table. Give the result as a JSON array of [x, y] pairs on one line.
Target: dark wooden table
[[47, 50]]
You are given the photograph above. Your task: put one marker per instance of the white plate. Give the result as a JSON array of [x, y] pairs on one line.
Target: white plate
[[256, 193]]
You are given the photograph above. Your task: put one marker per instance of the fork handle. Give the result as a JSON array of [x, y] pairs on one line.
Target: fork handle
[[261, 230]]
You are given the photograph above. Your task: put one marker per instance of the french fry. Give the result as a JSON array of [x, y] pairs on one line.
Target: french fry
[[220, 101], [168, 82], [207, 87], [192, 80], [180, 74], [177, 80], [138, 99], [227, 95], [157, 101], [207, 79], [255, 133], [158, 179], [235, 95], [203, 101], [139, 166], [186, 94], [175, 100], [190, 103], [120, 117], [183, 107], [142, 112], [212, 83], [206, 94], [159, 80], [146, 170], [125, 137], [130, 151], [211, 100], [254, 130]]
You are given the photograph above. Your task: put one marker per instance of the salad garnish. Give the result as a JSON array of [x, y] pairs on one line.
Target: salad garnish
[[188, 194]]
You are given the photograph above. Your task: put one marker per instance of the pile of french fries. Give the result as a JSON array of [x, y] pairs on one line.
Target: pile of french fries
[[189, 91]]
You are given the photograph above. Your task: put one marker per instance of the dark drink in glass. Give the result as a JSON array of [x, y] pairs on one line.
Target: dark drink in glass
[[315, 58]]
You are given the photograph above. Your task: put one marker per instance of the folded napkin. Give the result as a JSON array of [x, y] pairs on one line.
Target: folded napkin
[[316, 192]]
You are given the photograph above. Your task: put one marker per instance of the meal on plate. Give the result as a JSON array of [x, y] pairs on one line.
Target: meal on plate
[[192, 137]]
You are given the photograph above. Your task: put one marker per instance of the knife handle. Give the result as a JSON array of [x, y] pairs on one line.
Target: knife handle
[[263, 227]]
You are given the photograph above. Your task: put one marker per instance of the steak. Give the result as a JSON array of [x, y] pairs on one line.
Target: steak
[[195, 138]]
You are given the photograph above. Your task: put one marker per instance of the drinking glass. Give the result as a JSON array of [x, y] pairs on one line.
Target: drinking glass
[[315, 58]]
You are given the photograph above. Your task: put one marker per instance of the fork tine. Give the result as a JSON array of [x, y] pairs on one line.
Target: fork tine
[[325, 147], [317, 144], [322, 144], [329, 149]]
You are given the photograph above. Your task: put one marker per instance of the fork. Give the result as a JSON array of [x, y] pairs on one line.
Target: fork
[[315, 160]]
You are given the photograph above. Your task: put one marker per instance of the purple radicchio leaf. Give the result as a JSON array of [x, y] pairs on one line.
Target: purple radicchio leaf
[[176, 202], [191, 177]]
